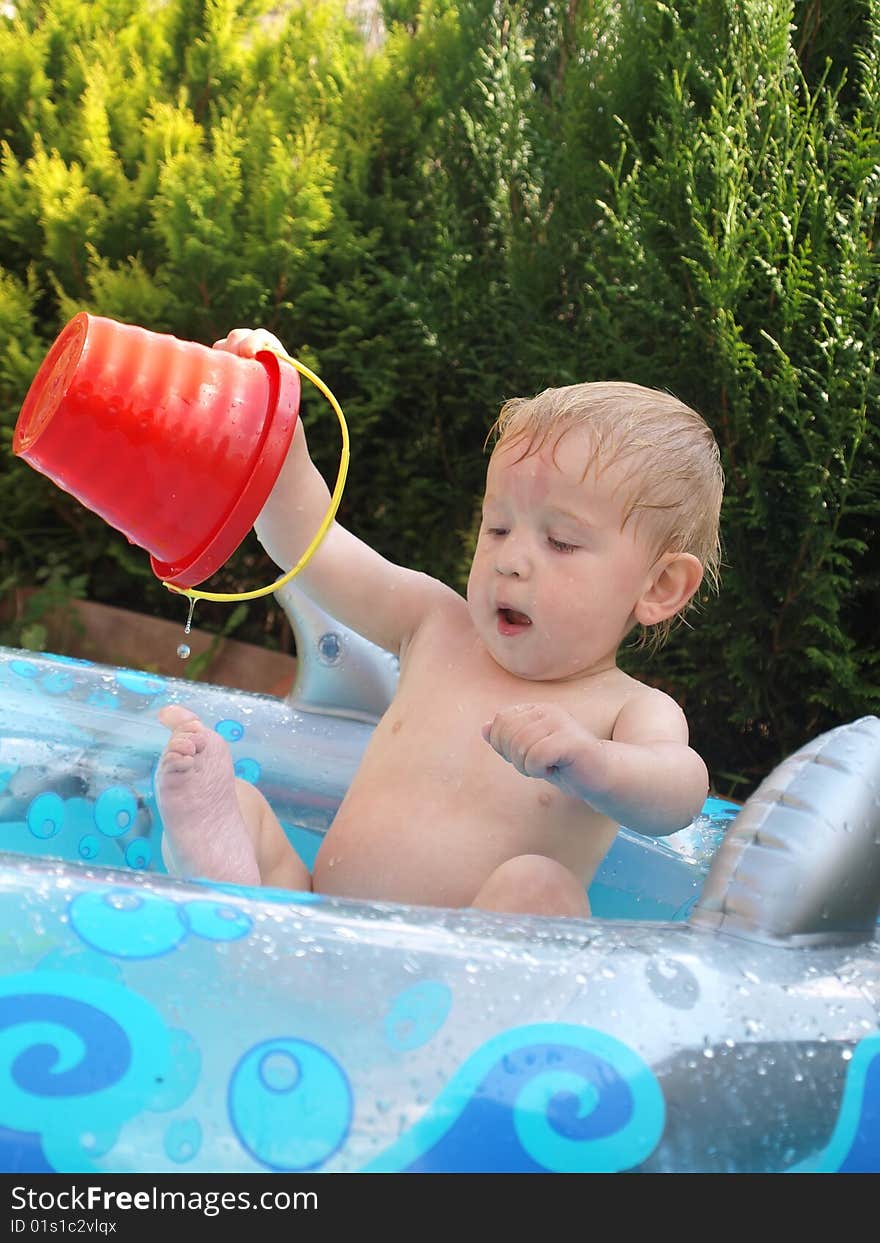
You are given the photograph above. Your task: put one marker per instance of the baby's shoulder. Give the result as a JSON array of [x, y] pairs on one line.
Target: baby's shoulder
[[443, 620], [646, 712]]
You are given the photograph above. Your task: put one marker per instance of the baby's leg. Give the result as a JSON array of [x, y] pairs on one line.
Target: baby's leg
[[533, 885], [217, 826]]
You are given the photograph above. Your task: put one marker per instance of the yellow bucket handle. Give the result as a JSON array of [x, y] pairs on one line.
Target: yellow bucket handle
[[326, 521]]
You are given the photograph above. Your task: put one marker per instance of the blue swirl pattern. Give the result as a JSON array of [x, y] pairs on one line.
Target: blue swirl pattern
[[854, 1147], [78, 1056], [547, 1098]]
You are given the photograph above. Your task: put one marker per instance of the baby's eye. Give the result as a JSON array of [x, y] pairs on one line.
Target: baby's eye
[[496, 530], [560, 545]]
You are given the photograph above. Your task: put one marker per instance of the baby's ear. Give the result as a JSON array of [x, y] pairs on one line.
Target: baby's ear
[[674, 579]]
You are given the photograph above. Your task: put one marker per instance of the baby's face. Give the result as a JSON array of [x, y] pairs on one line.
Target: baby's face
[[556, 574]]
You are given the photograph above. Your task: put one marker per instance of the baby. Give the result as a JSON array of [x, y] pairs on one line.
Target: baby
[[514, 747]]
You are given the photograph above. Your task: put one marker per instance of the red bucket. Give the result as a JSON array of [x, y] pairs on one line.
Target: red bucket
[[174, 444]]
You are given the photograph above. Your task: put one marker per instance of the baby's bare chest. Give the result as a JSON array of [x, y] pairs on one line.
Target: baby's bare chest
[[431, 735], [435, 797], [454, 692]]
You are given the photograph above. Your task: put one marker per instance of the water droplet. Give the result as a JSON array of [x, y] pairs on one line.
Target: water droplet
[[183, 651], [189, 617]]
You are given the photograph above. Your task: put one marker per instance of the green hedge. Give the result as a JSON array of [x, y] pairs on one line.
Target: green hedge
[[491, 198]]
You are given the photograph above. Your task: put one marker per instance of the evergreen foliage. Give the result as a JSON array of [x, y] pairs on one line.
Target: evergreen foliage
[[494, 197]]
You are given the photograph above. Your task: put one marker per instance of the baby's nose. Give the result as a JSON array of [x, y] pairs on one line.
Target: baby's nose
[[512, 562]]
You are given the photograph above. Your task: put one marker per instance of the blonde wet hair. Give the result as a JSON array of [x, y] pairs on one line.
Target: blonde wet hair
[[675, 477]]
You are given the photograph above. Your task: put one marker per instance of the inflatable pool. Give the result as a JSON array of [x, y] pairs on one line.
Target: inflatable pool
[[713, 1016]]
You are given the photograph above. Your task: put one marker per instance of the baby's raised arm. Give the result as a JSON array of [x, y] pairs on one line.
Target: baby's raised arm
[[646, 776], [380, 600]]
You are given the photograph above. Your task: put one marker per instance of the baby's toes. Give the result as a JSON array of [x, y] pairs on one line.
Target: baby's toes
[[176, 716]]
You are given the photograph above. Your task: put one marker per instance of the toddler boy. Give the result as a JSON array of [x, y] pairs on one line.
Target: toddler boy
[[514, 747]]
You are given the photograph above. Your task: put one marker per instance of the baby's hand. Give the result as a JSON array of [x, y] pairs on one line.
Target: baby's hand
[[545, 741], [248, 342]]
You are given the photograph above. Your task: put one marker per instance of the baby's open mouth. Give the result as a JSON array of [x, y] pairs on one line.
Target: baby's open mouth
[[510, 617]]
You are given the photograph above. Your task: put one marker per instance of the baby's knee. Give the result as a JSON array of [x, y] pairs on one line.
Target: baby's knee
[[252, 803], [280, 865], [536, 885]]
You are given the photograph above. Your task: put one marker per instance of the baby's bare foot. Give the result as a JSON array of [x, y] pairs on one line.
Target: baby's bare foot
[[205, 834]]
